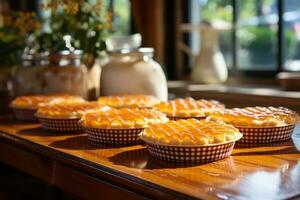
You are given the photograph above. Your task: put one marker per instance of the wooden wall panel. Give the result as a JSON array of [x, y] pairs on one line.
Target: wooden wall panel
[[148, 18]]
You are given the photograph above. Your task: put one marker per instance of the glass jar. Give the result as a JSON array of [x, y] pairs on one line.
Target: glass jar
[[61, 72], [133, 71], [26, 77], [65, 74]]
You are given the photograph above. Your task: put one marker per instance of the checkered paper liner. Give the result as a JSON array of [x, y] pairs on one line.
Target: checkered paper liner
[[266, 134], [61, 125], [201, 154], [24, 114], [114, 136], [178, 118]]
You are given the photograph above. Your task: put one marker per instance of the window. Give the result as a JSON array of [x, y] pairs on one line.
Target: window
[[291, 25], [264, 34], [122, 18], [256, 35]]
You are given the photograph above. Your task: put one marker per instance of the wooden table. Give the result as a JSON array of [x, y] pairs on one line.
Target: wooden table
[[91, 171]]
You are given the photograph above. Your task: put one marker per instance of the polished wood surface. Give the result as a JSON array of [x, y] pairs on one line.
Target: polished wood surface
[[252, 172]]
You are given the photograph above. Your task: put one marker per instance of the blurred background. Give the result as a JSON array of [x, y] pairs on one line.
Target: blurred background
[[263, 37], [207, 48]]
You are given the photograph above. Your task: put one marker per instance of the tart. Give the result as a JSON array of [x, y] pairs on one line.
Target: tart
[[119, 126], [130, 101], [24, 107], [188, 108], [64, 116], [260, 124], [190, 140]]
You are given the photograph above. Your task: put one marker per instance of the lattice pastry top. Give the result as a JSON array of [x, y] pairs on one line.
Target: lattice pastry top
[[256, 116], [124, 118], [131, 101], [189, 107], [34, 101], [190, 132], [69, 110]]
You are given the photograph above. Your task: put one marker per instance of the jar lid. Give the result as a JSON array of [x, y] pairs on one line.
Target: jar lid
[[31, 49], [145, 51], [76, 52], [117, 43], [67, 49], [33, 52]]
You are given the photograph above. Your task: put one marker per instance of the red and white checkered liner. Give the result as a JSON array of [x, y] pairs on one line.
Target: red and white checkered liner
[[61, 125], [266, 134], [201, 154], [114, 136], [178, 118], [24, 114]]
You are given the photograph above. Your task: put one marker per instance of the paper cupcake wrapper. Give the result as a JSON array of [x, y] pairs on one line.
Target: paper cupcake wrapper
[[114, 136], [201, 154], [24, 114], [266, 134], [178, 118], [61, 125]]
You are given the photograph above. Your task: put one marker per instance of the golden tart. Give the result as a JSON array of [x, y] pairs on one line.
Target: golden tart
[[190, 132], [34, 101], [260, 124], [188, 108], [68, 110], [123, 118], [190, 140], [119, 126], [24, 107], [256, 116], [65, 116], [131, 101]]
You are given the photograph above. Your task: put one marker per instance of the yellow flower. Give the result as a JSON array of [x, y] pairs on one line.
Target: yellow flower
[[74, 8], [100, 27], [70, 7], [109, 18], [25, 22], [108, 25]]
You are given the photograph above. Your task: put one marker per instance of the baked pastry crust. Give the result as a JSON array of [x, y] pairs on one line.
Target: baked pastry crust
[[189, 107], [124, 118], [190, 132], [68, 110], [256, 116], [35, 101], [130, 101]]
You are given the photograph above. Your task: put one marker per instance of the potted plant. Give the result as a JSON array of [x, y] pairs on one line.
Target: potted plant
[[88, 22], [13, 32]]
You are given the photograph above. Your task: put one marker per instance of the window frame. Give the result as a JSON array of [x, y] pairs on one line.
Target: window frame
[[234, 70], [280, 35]]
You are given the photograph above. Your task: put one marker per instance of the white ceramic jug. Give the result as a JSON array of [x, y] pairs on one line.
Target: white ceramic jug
[[209, 65]]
